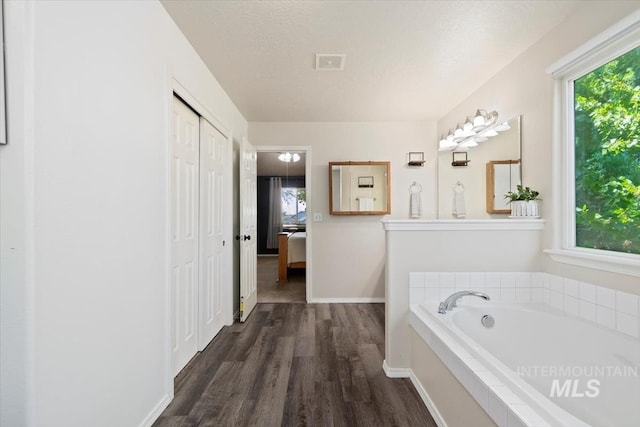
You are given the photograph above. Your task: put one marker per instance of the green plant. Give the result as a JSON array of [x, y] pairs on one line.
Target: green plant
[[522, 193], [607, 159]]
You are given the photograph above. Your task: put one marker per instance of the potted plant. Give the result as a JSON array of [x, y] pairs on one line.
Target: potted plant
[[524, 202]]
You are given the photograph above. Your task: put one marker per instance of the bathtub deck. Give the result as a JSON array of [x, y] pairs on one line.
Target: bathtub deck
[[296, 364]]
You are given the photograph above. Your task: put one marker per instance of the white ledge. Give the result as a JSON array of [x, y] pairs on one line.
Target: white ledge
[[462, 224], [621, 263]]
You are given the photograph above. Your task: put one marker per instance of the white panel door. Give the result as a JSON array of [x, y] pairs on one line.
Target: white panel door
[[185, 195], [248, 226], [213, 152]]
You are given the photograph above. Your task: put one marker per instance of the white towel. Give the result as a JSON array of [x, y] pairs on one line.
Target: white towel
[[458, 202], [414, 205], [365, 203]]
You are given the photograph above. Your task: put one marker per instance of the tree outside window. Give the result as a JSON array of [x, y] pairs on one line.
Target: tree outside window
[[607, 155], [294, 205]]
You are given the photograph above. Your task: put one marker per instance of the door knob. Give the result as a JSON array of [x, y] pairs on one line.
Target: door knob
[[243, 237], [247, 237]]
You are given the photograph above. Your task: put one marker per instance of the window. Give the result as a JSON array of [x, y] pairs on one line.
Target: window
[[294, 205], [606, 126], [597, 145]]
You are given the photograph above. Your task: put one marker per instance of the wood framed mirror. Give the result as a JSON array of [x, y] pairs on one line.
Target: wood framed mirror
[[502, 176], [359, 188]]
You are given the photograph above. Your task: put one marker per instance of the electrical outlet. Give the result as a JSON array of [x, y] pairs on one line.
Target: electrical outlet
[[317, 217]]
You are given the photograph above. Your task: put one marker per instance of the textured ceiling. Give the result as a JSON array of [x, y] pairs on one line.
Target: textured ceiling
[[405, 60]]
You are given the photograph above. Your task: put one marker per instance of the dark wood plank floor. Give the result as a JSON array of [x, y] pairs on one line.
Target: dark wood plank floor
[[296, 365]]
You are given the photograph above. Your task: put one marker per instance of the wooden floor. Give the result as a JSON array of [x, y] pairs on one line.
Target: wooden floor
[[296, 365]]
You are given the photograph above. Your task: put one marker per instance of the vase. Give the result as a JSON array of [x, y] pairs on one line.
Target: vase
[[525, 209]]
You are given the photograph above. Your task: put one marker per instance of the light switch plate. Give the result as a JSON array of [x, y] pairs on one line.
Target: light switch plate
[[317, 217]]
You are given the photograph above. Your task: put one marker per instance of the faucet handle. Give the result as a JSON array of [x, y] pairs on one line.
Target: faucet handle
[[442, 308]]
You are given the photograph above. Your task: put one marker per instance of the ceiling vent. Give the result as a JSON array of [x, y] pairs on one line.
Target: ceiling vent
[[330, 61]]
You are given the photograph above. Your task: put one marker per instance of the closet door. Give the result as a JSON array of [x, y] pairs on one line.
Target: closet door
[[185, 194], [213, 152]]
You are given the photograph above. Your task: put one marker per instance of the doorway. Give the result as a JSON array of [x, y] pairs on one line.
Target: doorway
[[283, 259]]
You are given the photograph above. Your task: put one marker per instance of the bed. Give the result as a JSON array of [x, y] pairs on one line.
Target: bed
[[292, 247]]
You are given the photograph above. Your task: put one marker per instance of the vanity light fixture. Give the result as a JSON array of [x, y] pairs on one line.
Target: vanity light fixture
[[288, 157], [479, 128], [467, 143]]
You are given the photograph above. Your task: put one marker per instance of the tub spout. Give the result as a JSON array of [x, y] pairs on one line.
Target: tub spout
[[451, 300]]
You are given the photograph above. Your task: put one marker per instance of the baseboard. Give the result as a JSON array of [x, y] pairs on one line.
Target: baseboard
[[345, 300], [155, 412], [395, 372], [431, 407]]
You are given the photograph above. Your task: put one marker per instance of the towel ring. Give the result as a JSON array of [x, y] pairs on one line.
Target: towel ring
[[415, 188], [459, 187]]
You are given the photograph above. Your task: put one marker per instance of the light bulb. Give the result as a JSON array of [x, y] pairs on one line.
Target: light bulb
[[491, 118], [450, 136], [479, 118], [288, 157], [468, 124]]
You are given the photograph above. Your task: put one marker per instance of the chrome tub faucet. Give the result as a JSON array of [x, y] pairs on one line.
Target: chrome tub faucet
[[451, 300]]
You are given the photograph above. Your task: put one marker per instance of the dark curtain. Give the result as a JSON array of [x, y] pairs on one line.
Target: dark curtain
[[263, 207]]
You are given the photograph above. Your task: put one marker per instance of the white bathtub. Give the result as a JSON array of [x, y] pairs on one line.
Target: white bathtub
[[532, 350]]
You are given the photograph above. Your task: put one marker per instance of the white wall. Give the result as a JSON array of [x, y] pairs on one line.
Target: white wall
[[348, 251], [446, 250], [524, 87], [85, 203]]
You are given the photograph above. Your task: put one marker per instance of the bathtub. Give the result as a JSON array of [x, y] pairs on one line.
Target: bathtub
[[546, 367]]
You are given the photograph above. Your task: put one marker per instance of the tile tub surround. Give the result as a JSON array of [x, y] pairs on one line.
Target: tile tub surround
[[610, 308], [492, 388]]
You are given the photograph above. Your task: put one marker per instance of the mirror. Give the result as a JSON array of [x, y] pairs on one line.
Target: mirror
[[359, 188], [503, 176], [503, 147]]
